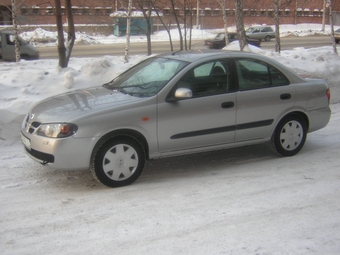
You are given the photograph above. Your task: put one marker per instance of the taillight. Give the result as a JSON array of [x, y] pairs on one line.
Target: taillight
[[328, 94]]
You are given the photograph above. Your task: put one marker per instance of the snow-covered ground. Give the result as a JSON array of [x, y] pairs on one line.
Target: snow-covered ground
[[238, 201]]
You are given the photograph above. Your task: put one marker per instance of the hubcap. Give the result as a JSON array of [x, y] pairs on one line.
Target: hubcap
[[120, 162], [291, 135]]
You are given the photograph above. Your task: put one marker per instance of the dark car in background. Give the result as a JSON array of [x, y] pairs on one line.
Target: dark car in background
[[218, 42], [337, 35], [260, 33]]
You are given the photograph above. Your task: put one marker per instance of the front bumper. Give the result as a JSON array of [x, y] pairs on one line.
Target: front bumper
[[64, 153]]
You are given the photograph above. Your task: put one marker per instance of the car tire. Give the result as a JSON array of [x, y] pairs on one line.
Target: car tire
[[118, 161], [289, 136], [25, 57], [267, 38]]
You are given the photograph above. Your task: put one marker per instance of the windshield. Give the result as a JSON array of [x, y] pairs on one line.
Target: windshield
[[146, 78], [220, 36]]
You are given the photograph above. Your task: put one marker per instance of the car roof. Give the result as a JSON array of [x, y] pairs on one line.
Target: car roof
[[259, 26], [201, 54], [207, 54]]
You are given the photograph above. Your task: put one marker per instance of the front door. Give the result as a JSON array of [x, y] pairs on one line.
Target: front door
[[206, 119]]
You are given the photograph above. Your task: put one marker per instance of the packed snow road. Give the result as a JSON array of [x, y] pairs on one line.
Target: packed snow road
[[237, 201]]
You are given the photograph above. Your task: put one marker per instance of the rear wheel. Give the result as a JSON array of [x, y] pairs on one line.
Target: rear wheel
[[25, 57], [118, 161], [267, 38], [289, 136]]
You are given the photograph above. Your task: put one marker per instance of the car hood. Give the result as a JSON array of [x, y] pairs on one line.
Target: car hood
[[72, 105]]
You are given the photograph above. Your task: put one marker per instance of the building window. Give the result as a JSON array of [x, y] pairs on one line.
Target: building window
[[306, 12], [216, 12], [108, 10], [35, 10], [49, 11], [99, 10], [166, 11], [24, 11], [263, 12], [270, 13], [287, 12]]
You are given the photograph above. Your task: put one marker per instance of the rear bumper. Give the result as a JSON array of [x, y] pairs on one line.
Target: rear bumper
[[318, 118]]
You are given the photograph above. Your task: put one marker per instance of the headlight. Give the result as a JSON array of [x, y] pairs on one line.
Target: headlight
[[57, 130]]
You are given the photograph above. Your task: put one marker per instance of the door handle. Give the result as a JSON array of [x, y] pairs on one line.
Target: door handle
[[226, 105], [285, 96]]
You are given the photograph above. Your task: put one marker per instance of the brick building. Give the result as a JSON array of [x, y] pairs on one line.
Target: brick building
[[95, 13]]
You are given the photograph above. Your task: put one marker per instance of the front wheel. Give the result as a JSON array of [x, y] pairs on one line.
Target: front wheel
[[289, 136], [118, 161]]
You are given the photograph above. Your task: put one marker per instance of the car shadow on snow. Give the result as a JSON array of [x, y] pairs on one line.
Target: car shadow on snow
[[203, 164], [167, 169]]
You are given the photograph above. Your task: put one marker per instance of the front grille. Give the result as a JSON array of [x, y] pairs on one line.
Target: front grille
[[44, 157], [33, 126]]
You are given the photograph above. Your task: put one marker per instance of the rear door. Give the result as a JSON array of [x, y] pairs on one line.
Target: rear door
[[8, 49], [206, 119], [264, 95]]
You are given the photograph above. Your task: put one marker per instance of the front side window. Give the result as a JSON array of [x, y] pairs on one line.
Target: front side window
[[255, 74], [146, 78], [210, 78]]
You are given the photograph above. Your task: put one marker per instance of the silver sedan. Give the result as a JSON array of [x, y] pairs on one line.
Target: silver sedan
[[174, 104]]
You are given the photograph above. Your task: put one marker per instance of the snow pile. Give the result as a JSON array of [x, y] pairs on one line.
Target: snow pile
[[40, 37]]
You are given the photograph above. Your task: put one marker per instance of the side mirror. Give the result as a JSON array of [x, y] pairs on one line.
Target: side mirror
[[181, 93]]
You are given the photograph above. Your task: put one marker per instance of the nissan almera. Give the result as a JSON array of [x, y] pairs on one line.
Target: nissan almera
[[175, 104]]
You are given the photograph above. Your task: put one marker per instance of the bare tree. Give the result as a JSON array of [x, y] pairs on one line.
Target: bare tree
[[175, 13], [239, 24], [279, 4], [146, 8], [332, 27], [162, 20], [15, 31], [128, 28], [224, 15], [64, 52], [13, 10], [277, 27]]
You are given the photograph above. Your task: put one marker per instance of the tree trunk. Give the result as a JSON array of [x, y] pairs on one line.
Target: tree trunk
[[147, 17], [332, 27], [239, 24], [61, 45], [71, 34], [163, 23], [225, 22], [15, 31], [178, 24], [277, 27], [128, 27]]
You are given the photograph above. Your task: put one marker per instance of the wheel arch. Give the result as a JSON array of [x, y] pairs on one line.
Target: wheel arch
[[299, 113], [123, 132]]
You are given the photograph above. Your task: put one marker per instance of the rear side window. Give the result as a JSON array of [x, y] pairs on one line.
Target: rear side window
[[267, 29], [254, 74]]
